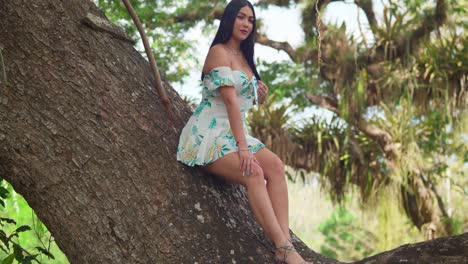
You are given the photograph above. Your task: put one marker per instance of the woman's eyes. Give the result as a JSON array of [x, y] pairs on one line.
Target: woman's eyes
[[251, 21]]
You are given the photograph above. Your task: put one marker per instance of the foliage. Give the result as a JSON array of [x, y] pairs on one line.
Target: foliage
[[28, 243], [326, 145], [402, 101], [380, 227], [172, 50], [343, 238], [409, 85], [286, 80]]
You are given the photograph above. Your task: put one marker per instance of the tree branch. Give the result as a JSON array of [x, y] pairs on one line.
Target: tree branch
[[325, 102], [368, 8], [282, 3], [413, 39], [217, 12], [428, 184], [284, 46], [149, 53], [199, 13], [429, 23], [296, 55], [435, 251], [384, 139]]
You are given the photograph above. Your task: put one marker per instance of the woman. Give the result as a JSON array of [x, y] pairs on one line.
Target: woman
[[216, 137]]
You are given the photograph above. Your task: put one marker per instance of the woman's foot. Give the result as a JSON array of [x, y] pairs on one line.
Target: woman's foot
[[288, 254]]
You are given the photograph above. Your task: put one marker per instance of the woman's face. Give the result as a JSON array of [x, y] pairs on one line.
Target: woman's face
[[243, 24]]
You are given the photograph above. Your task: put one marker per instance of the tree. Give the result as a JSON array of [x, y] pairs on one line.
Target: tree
[[416, 49], [87, 142]]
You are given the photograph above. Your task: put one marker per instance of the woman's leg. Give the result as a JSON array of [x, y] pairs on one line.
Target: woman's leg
[[227, 168], [273, 168]]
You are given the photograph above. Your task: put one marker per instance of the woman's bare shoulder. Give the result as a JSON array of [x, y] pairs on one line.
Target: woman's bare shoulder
[[217, 56]]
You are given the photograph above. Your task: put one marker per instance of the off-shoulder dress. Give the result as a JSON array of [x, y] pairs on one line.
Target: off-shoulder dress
[[207, 136]]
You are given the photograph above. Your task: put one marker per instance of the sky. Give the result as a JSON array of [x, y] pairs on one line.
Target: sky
[[280, 24]]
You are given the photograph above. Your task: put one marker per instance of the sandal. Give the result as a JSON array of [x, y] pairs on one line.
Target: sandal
[[287, 250]]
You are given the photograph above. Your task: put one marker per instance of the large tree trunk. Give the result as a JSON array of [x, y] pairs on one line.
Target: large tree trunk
[[87, 142]]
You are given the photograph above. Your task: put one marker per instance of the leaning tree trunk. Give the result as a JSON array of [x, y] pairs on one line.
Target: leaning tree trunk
[[87, 142]]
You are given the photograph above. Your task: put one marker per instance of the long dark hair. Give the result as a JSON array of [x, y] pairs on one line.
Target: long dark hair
[[225, 31]]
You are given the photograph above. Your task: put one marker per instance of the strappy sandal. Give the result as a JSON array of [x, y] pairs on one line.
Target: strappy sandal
[[286, 249]]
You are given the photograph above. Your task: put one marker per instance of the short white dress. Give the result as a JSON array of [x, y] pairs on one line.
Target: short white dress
[[207, 136]]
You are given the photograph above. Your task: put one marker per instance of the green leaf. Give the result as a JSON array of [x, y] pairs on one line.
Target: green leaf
[[9, 259], [4, 249], [8, 220], [22, 228], [4, 239], [18, 251], [45, 252], [28, 259], [3, 192]]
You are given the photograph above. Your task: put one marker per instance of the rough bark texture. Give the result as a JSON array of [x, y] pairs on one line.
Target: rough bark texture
[[447, 250], [86, 140]]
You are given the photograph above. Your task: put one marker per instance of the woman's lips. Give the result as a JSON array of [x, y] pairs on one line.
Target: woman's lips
[[243, 31]]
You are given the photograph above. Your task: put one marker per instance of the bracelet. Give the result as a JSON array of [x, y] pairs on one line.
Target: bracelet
[[237, 142], [243, 150]]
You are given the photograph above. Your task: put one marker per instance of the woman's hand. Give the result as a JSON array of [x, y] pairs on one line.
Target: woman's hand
[[262, 92], [246, 158]]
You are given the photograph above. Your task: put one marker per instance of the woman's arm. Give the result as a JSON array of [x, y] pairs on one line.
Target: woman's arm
[[218, 56], [246, 157]]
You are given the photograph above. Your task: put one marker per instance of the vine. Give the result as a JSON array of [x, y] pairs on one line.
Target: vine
[[318, 25]]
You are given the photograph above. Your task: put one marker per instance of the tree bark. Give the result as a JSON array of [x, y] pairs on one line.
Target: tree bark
[[88, 143]]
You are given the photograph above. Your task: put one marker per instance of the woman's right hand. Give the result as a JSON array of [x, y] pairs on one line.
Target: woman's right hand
[[262, 92], [246, 158]]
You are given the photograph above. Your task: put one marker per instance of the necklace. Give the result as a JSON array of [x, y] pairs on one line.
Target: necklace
[[233, 51]]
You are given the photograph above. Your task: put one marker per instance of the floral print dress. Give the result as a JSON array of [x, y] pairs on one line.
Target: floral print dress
[[207, 136]]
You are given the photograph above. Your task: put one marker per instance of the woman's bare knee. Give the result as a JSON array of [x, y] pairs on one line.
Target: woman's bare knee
[[272, 165], [256, 178], [276, 171]]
